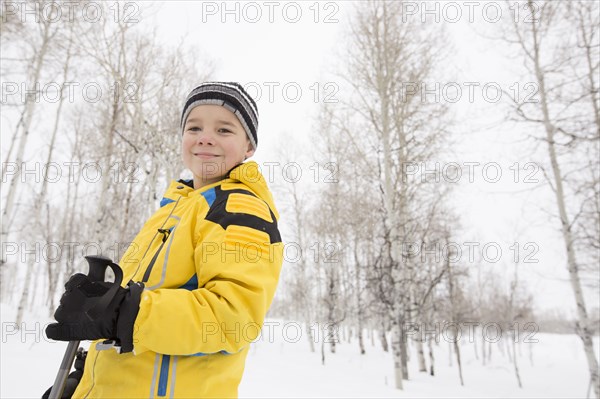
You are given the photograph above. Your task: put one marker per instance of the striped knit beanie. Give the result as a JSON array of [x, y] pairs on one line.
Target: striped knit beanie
[[230, 95]]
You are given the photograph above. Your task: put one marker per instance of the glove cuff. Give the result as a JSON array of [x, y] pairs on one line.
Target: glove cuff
[[127, 314]]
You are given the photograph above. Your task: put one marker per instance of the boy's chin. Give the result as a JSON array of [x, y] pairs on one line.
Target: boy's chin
[[211, 169]]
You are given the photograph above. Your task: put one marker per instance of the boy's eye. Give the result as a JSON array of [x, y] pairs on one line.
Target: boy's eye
[[223, 130], [194, 128]]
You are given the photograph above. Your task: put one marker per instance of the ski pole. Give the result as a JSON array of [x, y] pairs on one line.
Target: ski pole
[[97, 270], [63, 372]]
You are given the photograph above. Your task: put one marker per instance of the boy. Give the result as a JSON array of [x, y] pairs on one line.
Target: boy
[[202, 270]]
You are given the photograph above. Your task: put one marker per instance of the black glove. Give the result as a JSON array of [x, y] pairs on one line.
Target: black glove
[[73, 378], [79, 319]]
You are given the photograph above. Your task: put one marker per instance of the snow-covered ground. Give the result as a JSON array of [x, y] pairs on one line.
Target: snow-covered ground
[[279, 367]]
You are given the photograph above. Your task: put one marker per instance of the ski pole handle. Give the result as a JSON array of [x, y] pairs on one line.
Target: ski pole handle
[[97, 269], [98, 265]]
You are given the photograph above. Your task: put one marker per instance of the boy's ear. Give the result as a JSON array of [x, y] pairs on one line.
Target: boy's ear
[[250, 150]]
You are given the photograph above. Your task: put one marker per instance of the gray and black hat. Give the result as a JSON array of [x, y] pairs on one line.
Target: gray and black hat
[[230, 95]]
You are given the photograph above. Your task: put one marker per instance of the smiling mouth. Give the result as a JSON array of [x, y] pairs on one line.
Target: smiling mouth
[[204, 155]]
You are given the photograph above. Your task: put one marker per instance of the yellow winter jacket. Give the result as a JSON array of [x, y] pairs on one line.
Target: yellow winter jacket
[[210, 260]]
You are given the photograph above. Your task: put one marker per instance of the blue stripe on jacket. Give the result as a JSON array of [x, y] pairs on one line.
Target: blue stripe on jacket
[[210, 196], [164, 375]]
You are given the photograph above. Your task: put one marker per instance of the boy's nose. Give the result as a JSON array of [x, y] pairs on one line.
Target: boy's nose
[[205, 138]]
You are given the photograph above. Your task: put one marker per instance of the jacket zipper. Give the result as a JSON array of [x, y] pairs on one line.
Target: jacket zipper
[[165, 233], [149, 245]]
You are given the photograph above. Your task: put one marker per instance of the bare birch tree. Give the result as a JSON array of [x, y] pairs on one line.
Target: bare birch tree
[[566, 113], [385, 54], [37, 41]]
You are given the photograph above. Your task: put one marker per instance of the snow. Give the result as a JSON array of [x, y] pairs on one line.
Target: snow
[[280, 365]]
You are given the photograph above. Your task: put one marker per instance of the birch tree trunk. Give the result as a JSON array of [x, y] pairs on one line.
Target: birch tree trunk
[[554, 113], [383, 338], [421, 354], [397, 352], [431, 357], [392, 212], [384, 52], [515, 331], [515, 362], [357, 296], [25, 293], [482, 348], [583, 324], [454, 340], [42, 197], [33, 79]]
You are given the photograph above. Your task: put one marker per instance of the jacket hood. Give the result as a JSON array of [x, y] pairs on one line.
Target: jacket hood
[[249, 174]]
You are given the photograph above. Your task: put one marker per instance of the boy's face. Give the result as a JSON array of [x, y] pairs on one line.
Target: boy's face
[[213, 142]]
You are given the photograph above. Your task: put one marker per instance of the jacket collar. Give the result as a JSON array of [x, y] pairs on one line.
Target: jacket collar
[[247, 173]]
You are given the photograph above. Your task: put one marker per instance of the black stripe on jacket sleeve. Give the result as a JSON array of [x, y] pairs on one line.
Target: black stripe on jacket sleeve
[[218, 214]]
